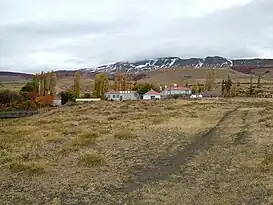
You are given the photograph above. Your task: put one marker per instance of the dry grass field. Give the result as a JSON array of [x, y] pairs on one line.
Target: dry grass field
[[12, 85], [191, 76], [163, 152]]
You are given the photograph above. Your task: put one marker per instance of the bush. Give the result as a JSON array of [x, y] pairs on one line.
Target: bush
[[67, 96], [7, 97], [91, 160], [29, 105], [44, 100], [30, 87], [29, 95]]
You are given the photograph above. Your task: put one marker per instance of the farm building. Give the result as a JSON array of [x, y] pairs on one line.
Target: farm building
[[151, 95], [213, 94], [196, 96], [121, 95], [57, 100], [176, 90]]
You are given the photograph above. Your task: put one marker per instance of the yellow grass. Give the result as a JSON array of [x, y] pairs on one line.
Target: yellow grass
[[163, 152]]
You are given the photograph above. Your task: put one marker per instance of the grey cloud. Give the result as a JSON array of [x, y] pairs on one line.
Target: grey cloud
[[135, 32]]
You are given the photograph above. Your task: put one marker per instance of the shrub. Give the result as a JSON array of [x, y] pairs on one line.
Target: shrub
[[124, 135], [28, 168], [26, 105], [29, 95], [7, 97], [44, 100], [91, 160], [29, 105], [85, 139], [67, 96], [31, 87]]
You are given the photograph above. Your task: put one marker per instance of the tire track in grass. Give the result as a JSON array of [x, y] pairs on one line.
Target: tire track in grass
[[162, 167]]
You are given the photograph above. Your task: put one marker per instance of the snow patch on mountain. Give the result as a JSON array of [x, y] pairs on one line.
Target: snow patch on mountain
[[163, 63]]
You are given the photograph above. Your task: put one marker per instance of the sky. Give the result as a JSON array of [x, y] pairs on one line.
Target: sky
[[40, 35]]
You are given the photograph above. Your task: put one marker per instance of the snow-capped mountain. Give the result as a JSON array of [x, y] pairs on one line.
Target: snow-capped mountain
[[163, 63]]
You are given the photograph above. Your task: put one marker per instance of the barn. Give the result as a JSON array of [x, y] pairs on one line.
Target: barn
[[152, 95]]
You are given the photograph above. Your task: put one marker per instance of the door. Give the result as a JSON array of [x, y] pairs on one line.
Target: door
[[120, 98]]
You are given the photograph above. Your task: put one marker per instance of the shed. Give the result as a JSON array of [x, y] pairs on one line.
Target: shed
[[152, 95]]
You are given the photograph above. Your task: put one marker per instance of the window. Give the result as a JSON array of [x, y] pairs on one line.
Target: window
[[114, 96]]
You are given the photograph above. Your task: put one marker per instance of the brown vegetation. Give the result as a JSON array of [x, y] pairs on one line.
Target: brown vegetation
[[163, 152]]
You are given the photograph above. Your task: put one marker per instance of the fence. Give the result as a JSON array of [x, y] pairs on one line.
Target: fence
[[17, 114]]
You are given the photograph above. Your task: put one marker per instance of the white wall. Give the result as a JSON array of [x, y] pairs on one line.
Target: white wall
[[87, 99], [148, 97]]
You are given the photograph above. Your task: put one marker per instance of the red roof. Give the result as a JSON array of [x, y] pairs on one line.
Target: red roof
[[179, 88], [119, 92], [152, 92], [112, 92]]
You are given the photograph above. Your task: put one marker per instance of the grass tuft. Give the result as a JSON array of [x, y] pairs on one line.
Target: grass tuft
[[90, 159], [29, 168], [124, 135], [85, 139], [159, 120]]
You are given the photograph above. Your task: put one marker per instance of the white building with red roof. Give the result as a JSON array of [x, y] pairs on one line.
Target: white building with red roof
[[177, 90], [152, 95]]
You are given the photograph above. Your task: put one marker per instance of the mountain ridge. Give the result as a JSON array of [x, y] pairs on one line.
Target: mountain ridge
[[142, 66], [176, 62]]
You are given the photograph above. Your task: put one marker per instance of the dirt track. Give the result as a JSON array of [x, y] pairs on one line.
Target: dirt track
[[163, 168]]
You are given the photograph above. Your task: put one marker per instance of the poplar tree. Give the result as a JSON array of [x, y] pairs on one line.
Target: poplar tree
[[53, 84], [210, 81], [101, 85], [42, 90], [46, 83], [77, 84]]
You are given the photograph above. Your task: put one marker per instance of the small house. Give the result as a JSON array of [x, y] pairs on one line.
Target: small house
[[177, 90], [152, 95], [121, 95]]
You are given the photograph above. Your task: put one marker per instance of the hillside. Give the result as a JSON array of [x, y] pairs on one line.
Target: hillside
[[176, 62], [190, 75], [167, 70]]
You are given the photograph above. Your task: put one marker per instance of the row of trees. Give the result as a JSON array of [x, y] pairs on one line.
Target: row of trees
[[121, 82], [40, 91], [43, 84]]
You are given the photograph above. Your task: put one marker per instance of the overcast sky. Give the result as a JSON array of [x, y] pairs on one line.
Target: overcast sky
[[71, 34]]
